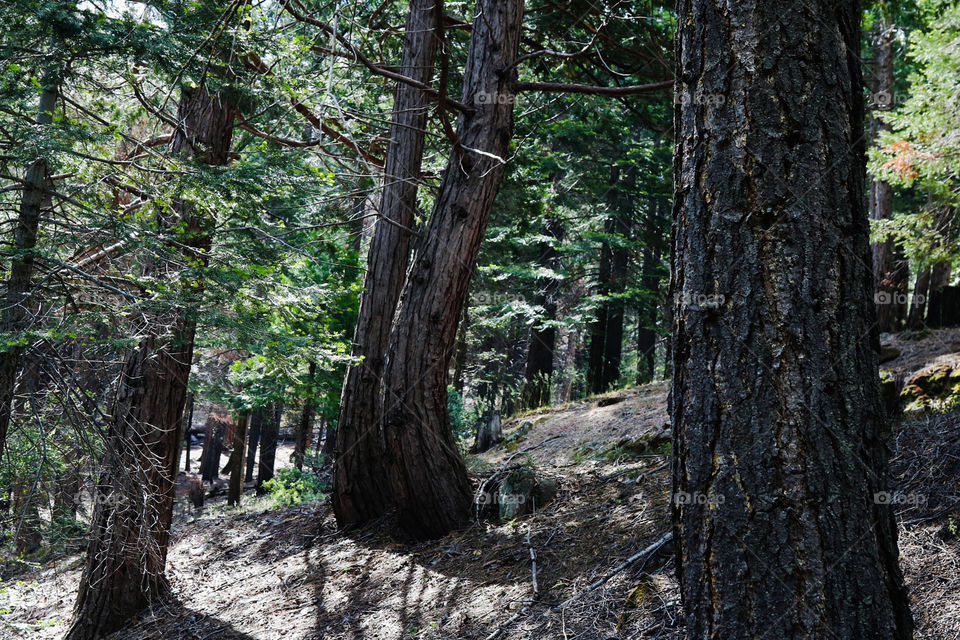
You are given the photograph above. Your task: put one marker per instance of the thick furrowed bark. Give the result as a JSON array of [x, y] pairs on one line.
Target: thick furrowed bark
[[359, 494], [779, 437], [426, 473]]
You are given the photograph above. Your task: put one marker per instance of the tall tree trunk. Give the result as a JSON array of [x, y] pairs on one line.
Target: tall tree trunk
[[268, 445], [305, 425], [891, 268], [212, 447], [130, 530], [598, 330], [256, 424], [538, 370], [647, 314], [426, 474], [191, 402], [613, 344], [780, 446], [236, 468], [358, 474], [15, 316], [918, 303]]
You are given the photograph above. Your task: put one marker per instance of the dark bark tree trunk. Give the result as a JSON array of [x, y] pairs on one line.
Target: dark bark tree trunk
[[358, 474], [647, 317], [606, 337], [426, 474], [780, 445], [130, 530], [256, 424], [305, 425], [236, 468], [918, 303], [538, 370], [212, 448], [890, 266], [186, 432], [613, 338], [268, 445], [598, 330], [16, 317]]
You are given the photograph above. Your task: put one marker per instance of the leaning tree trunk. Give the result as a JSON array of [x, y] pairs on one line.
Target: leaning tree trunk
[[780, 445], [426, 474], [130, 530], [15, 316], [891, 268], [359, 494]]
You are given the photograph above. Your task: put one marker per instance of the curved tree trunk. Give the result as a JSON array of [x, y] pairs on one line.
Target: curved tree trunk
[[780, 445], [426, 473], [358, 476], [130, 530], [15, 316]]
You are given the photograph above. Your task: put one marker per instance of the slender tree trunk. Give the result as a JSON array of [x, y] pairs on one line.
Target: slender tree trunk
[[647, 317], [780, 445], [186, 432], [256, 424], [890, 267], [236, 469], [130, 530], [268, 445], [918, 304], [305, 425], [212, 448], [16, 317], [598, 330], [613, 336], [426, 474], [359, 494], [538, 370]]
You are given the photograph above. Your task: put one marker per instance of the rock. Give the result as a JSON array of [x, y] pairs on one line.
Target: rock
[[512, 440], [888, 353], [489, 433], [523, 489], [936, 385], [890, 389], [610, 400]]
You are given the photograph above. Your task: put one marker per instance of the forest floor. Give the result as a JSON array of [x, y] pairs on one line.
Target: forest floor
[[261, 574]]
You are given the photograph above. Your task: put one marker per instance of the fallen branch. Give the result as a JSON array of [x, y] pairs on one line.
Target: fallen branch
[[653, 548]]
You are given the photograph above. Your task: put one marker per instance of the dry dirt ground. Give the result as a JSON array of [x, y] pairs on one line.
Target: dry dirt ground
[[265, 574]]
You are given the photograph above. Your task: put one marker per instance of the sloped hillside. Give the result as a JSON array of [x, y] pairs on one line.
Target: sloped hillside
[[263, 574]]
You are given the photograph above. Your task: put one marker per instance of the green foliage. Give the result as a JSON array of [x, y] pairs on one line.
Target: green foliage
[[290, 487]]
